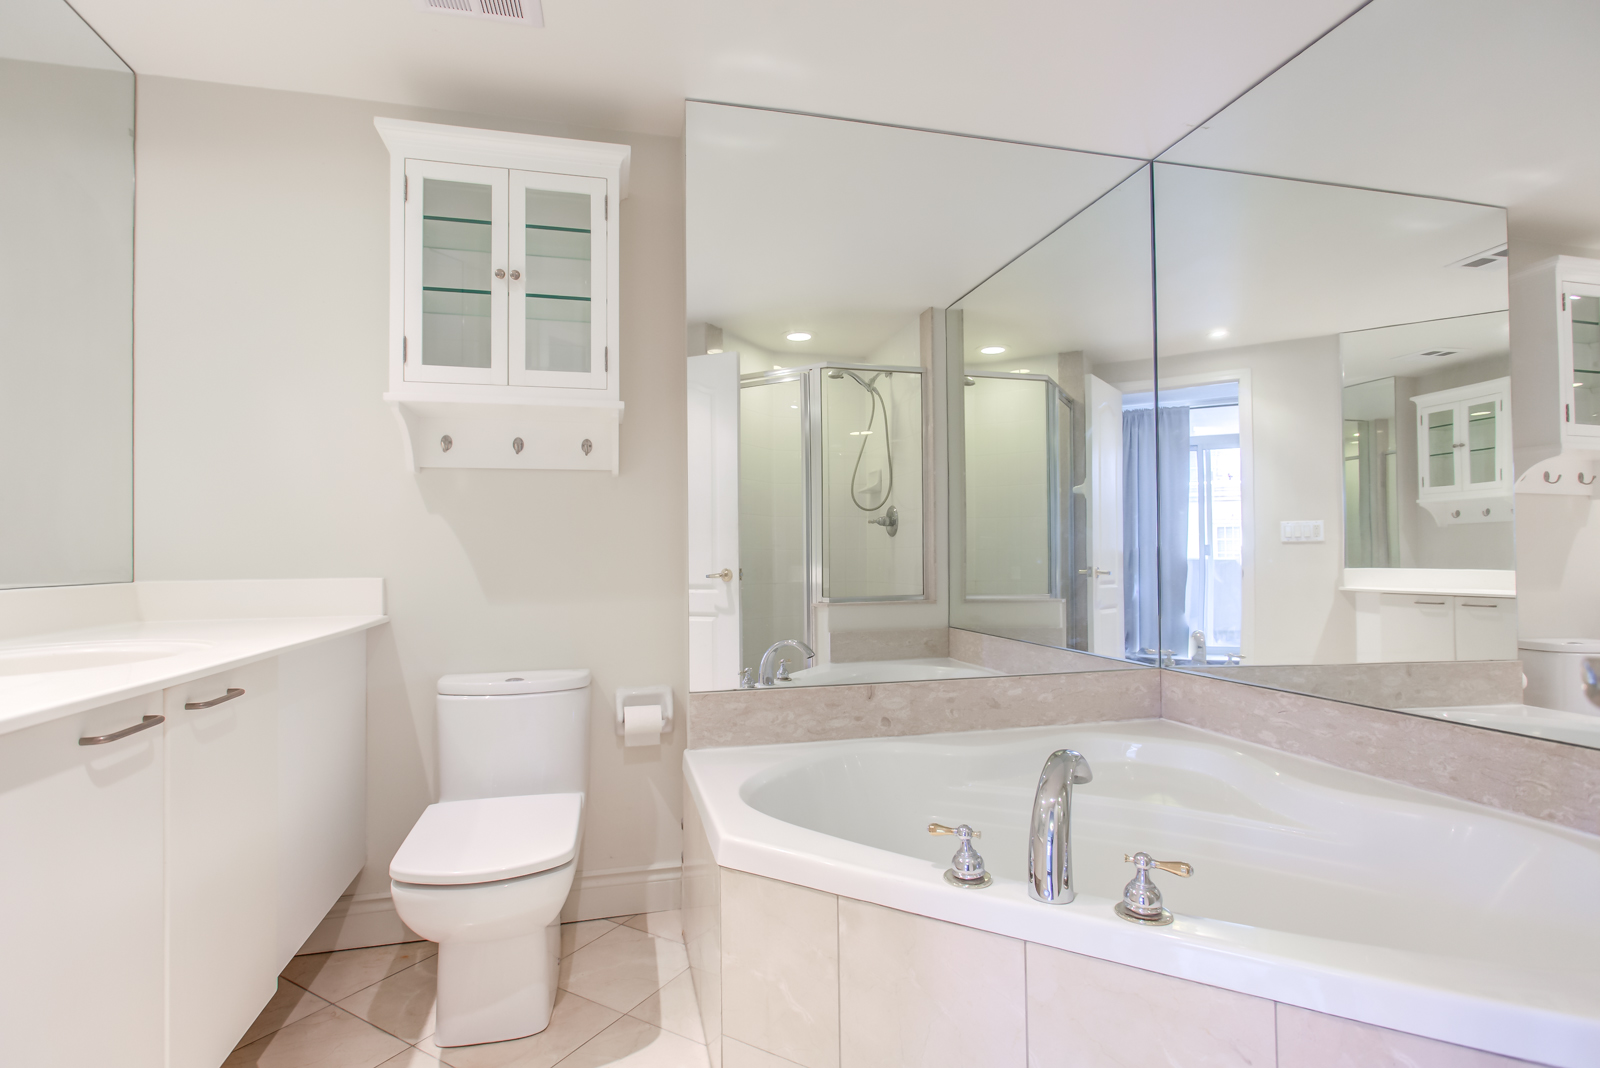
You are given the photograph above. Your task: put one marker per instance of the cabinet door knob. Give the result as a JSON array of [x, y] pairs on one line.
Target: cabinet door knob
[[499, 272], [515, 275], [726, 574]]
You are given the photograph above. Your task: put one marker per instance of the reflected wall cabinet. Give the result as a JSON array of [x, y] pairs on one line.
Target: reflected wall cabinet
[[503, 303], [1555, 346], [1464, 453]]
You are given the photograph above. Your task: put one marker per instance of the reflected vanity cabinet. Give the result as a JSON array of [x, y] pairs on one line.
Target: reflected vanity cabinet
[[1464, 471], [504, 297]]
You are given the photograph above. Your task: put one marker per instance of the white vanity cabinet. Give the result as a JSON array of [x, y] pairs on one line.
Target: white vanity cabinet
[[157, 882], [504, 296], [222, 859], [1464, 453], [83, 942]]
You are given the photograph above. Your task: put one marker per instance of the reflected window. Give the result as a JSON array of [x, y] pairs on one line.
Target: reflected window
[[1214, 592]]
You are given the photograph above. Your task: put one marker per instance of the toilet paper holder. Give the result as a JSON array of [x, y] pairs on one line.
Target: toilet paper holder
[[646, 695]]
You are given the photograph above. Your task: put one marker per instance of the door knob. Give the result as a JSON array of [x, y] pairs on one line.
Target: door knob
[[726, 574]]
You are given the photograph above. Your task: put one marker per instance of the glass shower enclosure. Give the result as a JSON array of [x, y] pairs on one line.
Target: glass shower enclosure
[[830, 494]]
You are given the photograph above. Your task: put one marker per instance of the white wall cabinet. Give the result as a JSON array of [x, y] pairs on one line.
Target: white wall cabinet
[[1555, 345], [81, 832], [504, 297], [158, 883], [1464, 453]]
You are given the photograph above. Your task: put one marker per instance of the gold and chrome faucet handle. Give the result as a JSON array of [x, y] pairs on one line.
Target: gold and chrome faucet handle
[[1177, 867], [966, 867], [939, 828]]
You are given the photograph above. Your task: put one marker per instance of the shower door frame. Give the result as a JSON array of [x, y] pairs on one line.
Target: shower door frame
[[1060, 588], [814, 485], [774, 378], [810, 374]]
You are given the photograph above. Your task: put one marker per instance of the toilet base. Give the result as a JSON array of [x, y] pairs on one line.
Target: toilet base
[[497, 990]]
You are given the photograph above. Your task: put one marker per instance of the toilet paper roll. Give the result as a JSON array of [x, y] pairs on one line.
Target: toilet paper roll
[[641, 725]]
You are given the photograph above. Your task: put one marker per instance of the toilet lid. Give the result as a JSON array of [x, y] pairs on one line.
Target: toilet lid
[[488, 839]]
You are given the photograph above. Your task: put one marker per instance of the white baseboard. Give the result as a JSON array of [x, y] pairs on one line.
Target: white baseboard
[[625, 891], [360, 920], [357, 921]]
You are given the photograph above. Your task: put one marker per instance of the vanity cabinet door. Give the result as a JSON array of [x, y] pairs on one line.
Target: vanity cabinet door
[[1416, 627], [222, 859], [80, 830], [1486, 628]]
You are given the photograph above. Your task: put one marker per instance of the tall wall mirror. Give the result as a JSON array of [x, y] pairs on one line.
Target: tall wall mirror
[[66, 301], [822, 255]]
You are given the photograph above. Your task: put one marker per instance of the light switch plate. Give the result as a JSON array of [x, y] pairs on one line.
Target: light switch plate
[[1301, 530]]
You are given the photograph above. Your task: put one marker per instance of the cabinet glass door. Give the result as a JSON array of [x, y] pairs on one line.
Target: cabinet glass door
[[1585, 312], [558, 336], [1441, 447], [1482, 438], [455, 242]]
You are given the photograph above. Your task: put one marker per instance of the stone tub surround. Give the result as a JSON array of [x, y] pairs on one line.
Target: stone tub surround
[[817, 713], [1025, 658], [906, 643], [790, 976], [1422, 685], [1546, 780]]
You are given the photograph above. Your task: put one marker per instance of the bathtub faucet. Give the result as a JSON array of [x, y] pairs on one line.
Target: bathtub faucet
[[1050, 839], [767, 676]]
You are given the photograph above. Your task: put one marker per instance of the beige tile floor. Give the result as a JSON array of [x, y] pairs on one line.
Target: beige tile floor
[[625, 1000]]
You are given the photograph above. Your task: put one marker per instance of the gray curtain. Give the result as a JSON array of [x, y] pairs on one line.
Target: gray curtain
[[1155, 529]]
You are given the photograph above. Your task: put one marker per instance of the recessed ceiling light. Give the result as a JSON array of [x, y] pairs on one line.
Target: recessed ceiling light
[[1218, 334], [1021, 371], [798, 335], [993, 350], [713, 352]]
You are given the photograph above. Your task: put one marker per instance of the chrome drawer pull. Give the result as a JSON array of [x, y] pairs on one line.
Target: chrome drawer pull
[[143, 725], [233, 691]]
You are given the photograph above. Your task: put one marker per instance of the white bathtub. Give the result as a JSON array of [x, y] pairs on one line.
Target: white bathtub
[[1575, 728], [1313, 886], [861, 672]]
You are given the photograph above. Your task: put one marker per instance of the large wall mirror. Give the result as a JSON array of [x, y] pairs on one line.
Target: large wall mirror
[[66, 301], [822, 255]]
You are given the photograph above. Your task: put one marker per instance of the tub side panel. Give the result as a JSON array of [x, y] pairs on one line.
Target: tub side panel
[[1090, 1013], [702, 924], [1308, 1039], [780, 968]]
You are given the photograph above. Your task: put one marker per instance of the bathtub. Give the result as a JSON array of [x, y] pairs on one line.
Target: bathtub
[[1313, 886], [1575, 728], [856, 673]]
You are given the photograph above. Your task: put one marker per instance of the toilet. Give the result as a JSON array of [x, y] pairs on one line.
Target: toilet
[[484, 872], [1554, 668]]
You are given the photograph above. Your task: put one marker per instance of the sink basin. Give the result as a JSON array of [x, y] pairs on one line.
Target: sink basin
[[80, 656]]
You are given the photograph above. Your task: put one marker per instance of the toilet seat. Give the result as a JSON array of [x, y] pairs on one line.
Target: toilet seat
[[489, 839]]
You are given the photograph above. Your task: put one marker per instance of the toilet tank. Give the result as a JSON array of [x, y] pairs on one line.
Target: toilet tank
[[502, 734], [1554, 669]]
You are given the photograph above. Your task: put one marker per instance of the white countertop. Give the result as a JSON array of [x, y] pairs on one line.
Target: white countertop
[[213, 625], [26, 700]]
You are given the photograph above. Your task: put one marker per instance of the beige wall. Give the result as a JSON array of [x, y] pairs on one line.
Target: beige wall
[[264, 449]]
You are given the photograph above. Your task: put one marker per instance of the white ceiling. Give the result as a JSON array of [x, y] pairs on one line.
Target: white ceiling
[[1485, 100], [1397, 350], [1111, 76], [847, 230]]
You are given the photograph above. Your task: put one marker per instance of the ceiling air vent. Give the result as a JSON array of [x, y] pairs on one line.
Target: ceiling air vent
[[1489, 257], [1427, 354], [527, 12]]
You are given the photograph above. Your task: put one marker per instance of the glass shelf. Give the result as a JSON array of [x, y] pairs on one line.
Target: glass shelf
[[562, 229], [449, 289], [454, 219]]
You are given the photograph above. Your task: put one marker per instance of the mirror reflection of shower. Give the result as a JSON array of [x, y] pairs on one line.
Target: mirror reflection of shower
[[830, 494], [890, 519]]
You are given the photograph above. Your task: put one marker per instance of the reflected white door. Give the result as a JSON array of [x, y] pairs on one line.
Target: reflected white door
[[1105, 517], [714, 521]]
